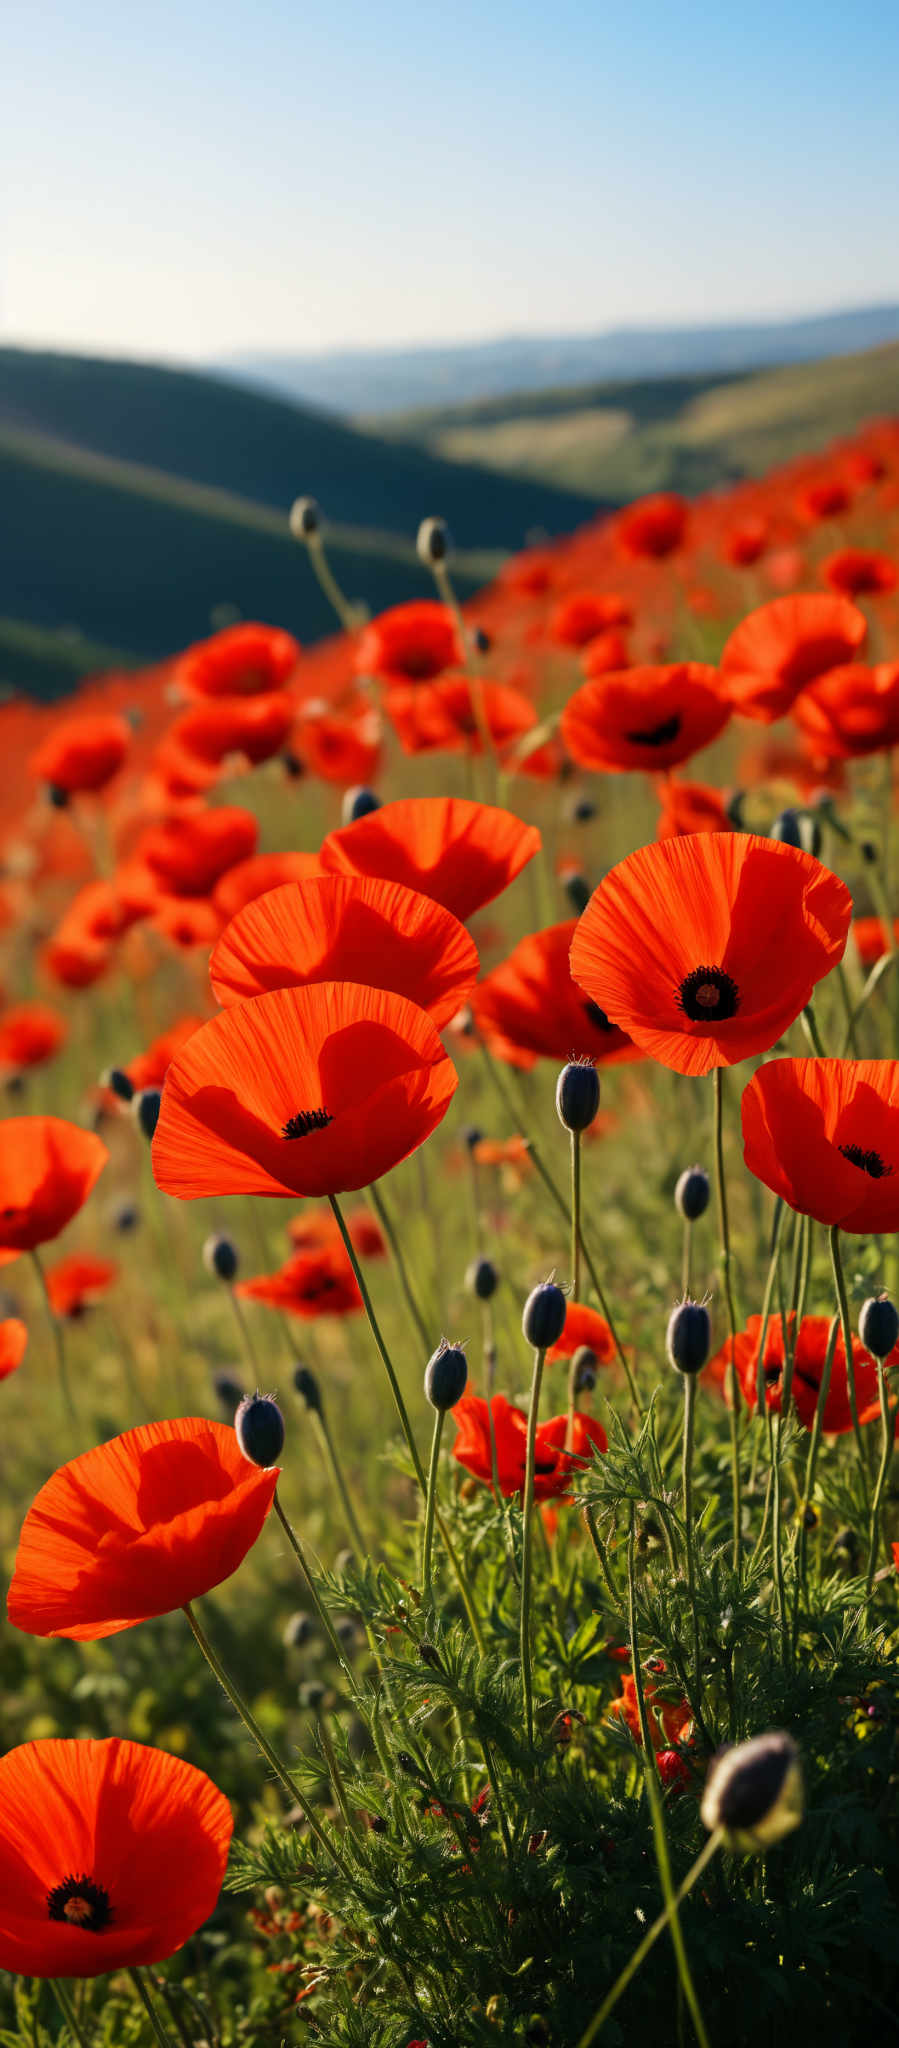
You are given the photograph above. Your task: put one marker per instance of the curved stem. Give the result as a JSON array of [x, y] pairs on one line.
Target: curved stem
[[160, 2034], [527, 1545], [396, 1252], [328, 584], [669, 1895], [888, 1424], [575, 1215], [66, 2004], [57, 1336], [375, 1328], [642, 1715], [427, 1544], [733, 1382], [245, 1333], [811, 1462], [843, 1307], [657, 1928], [323, 1431], [322, 1616], [687, 1481]]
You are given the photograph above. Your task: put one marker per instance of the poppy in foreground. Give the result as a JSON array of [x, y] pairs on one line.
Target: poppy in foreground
[[706, 948], [555, 1467], [306, 1091], [780, 648], [136, 1527], [47, 1170], [808, 1366], [111, 1855], [651, 718], [529, 1008], [459, 853], [348, 928], [851, 711], [824, 1134]]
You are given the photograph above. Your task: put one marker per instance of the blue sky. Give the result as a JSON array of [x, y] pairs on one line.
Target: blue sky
[[188, 180]]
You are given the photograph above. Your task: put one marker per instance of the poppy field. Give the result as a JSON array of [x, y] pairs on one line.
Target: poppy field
[[449, 1195]]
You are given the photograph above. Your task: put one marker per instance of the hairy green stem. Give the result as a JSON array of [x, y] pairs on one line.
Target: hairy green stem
[[733, 1382], [888, 1428], [839, 1282], [430, 1505], [396, 1252], [375, 1328], [687, 1486], [321, 1613], [160, 2033], [57, 1336], [663, 1863], [66, 2004], [527, 1542]]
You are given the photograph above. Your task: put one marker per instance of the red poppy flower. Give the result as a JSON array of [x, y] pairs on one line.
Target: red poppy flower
[[306, 1091], [529, 1008], [262, 872], [247, 660], [584, 614], [743, 545], [410, 643], [443, 716], [186, 922], [13, 1342], [348, 928], [826, 498], [319, 1230], [690, 807], [188, 857], [339, 747], [554, 1465], [851, 711], [30, 1033], [256, 727], [783, 646], [310, 1283], [583, 1325], [148, 1069], [859, 572], [137, 1527], [705, 949], [111, 1854], [460, 854], [77, 1281], [824, 1134], [870, 938], [82, 753], [808, 1366], [47, 1170], [608, 651], [667, 1720], [650, 718], [652, 527]]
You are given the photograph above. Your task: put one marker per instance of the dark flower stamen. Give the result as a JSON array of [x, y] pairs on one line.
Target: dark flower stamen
[[306, 1120], [708, 996], [597, 1016], [869, 1162], [80, 1903], [656, 735]]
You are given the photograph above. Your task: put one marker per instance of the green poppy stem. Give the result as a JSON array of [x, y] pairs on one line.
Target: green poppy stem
[[375, 1328], [663, 1863], [636, 1667], [57, 1336], [527, 1543], [396, 1252], [350, 618], [322, 1616], [658, 1927], [575, 1215], [690, 1379], [888, 1423], [160, 2033], [843, 1308], [430, 1505], [732, 1380], [66, 2004], [322, 1429], [811, 1462]]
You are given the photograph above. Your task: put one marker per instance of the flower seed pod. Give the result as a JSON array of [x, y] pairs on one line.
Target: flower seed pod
[[312, 1693], [298, 1630], [433, 542], [689, 1336], [358, 803], [125, 1217], [754, 1793], [584, 1367], [577, 1095], [482, 1278], [544, 1315], [118, 1082], [796, 828], [307, 1385], [220, 1257], [446, 1376], [259, 1428], [878, 1325], [577, 890], [692, 1193], [305, 518], [146, 1106], [228, 1389]]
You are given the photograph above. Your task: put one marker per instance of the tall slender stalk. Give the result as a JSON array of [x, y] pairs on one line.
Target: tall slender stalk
[[663, 1862], [431, 1503], [322, 1616], [322, 1429], [658, 1927], [636, 1667], [396, 1252], [575, 1138], [375, 1328], [66, 2004], [527, 1545], [56, 1335], [160, 2033], [690, 1379], [732, 1380], [888, 1439], [839, 1282]]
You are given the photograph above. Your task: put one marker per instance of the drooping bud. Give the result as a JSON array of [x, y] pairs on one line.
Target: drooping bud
[[305, 518], [689, 1336], [577, 1095], [358, 803], [754, 1793], [307, 1386], [544, 1315], [446, 1376], [692, 1193], [482, 1278], [433, 542], [259, 1428], [220, 1257], [878, 1325], [146, 1106]]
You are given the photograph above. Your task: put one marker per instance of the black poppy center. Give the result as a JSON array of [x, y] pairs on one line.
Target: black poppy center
[[656, 735], [868, 1162], [305, 1120], [708, 995], [80, 1902], [597, 1016]]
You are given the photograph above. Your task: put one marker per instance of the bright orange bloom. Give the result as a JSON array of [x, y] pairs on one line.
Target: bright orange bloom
[[824, 1134], [306, 1091], [137, 1527], [443, 716], [649, 718], [851, 711], [77, 1281], [247, 660], [529, 1007], [870, 938], [554, 1467], [778, 650], [340, 747], [255, 727], [82, 753], [461, 854], [13, 1343], [583, 1325], [148, 1069], [347, 928], [808, 1366], [410, 643], [186, 922], [606, 652], [668, 1720], [859, 572], [652, 527], [705, 949], [315, 1231], [188, 856], [690, 807], [256, 876], [111, 1855], [30, 1033], [311, 1283], [584, 614], [745, 543], [47, 1170], [826, 498]]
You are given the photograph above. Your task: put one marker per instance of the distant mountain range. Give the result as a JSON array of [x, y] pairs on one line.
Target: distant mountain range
[[384, 380]]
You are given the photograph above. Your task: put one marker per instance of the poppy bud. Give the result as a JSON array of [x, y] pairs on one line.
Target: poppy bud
[[229, 1390], [220, 1257], [691, 1195], [754, 1792], [584, 1365], [118, 1082], [577, 1095], [689, 1336], [307, 1385], [259, 1428], [298, 1630], [577, 890], [481, 641], [544, 1315], [482, 1278], [878, 1325], [446, 1376], [583, 810], [125, 1217], [795, 828], [59, 798], [433, 542], [293, 767], [147, 1105], [305, 518], [358, 803], [312, 1694], [471, 1136], [345, 1629]]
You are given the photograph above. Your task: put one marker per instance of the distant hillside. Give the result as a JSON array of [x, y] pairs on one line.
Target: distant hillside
[[385, 380], [689, 434]]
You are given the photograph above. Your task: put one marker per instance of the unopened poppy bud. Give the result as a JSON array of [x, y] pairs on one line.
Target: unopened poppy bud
[[446, 1376], [795, 828], [259, 1428], [577, 890], [220, 1257], [298, 1631], [689, 1336], [482, 1278], [305, 518], [692, 1193], [584, 1366], [433, 542], [471, 1136], [481, 641], [118, 1082], [544, 1315], [293, 767], [583, 810], [229, 1390], [577, 1095], [147, 1105], [312, 1694], [878, 1325], [754, 1793], [358, 803], [307, 1385], [345, 1629], [59, 798], [125, 1217]]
